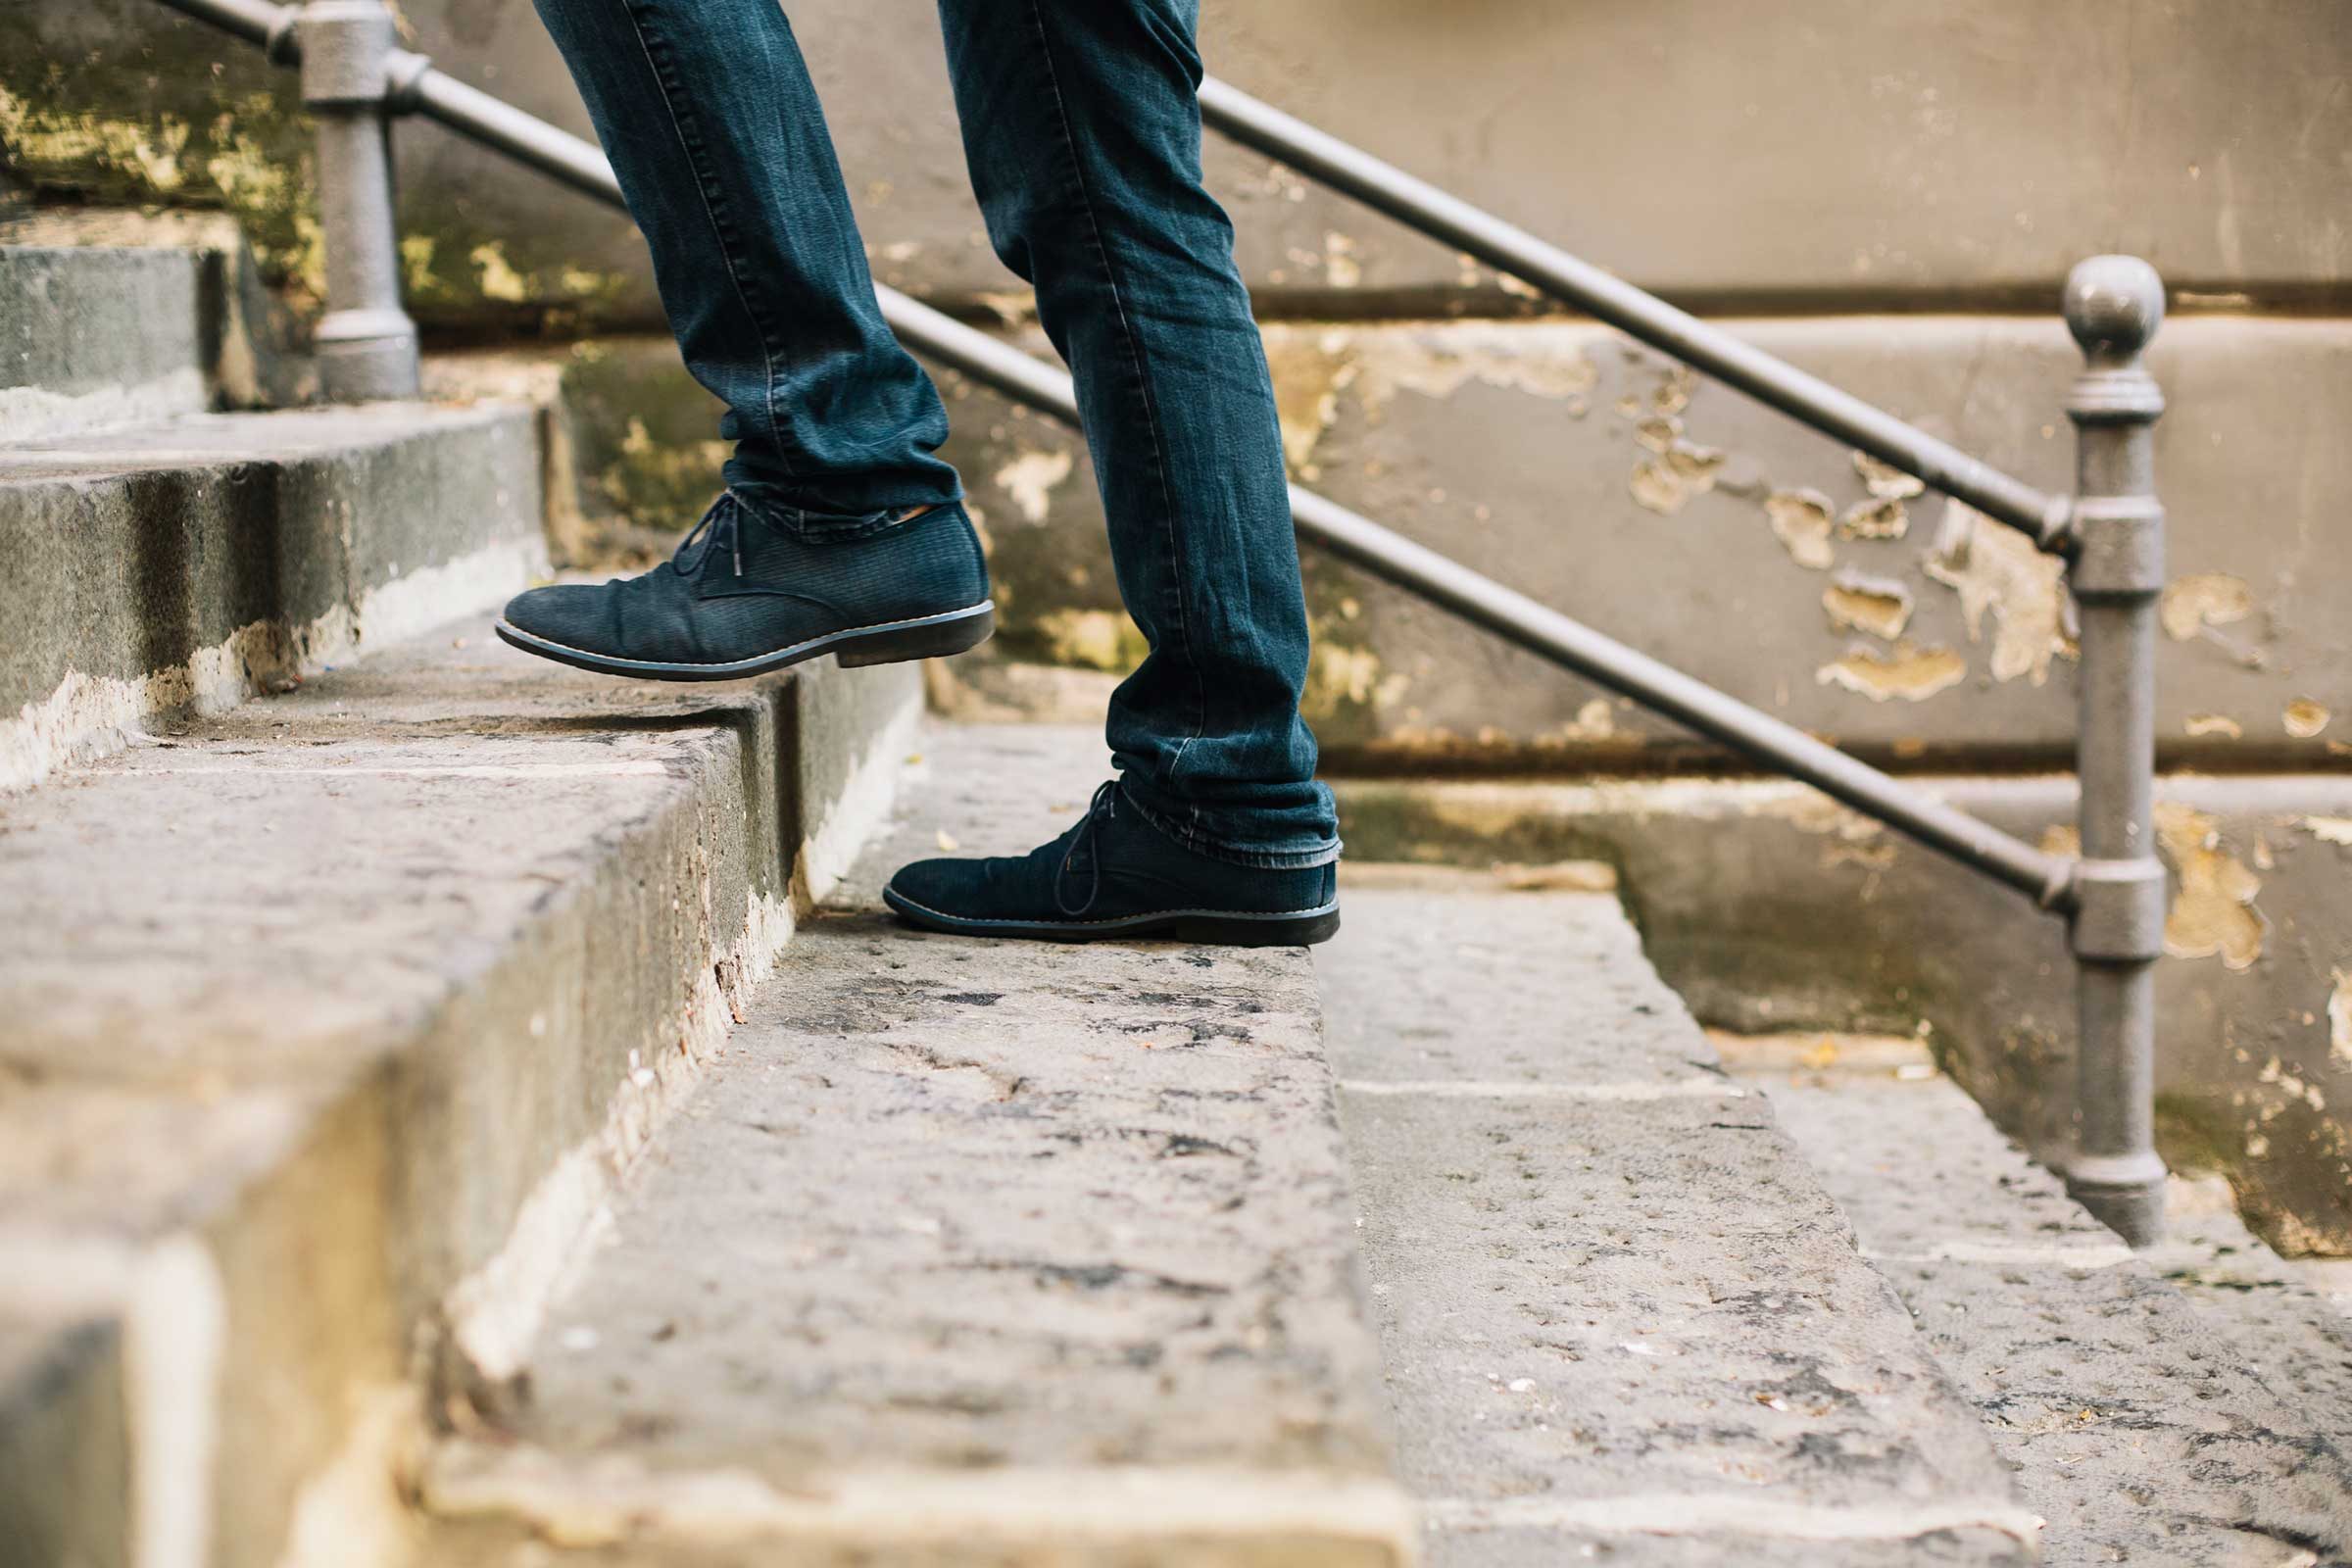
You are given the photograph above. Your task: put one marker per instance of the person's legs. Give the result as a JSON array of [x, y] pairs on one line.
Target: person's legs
[[708, 113], [840, 531], [1082, 131], [1082, 128]]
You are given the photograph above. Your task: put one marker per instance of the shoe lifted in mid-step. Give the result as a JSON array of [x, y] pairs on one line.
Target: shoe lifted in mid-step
[[743, 597], [1116, 877]]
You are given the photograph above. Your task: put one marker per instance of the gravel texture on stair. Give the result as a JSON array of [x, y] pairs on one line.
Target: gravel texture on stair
[[1621, 1319], [2143, 1428], [1049, 1246], [304, 1003]]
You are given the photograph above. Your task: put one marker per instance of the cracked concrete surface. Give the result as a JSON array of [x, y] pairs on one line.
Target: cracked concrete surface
[[1623, 1322], [333, 984], [953, 1212], [2202, 1425]]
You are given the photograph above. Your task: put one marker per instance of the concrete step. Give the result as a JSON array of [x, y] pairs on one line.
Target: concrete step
[[1621, 1317], [2144, 1425], [329, 1021], [169, 569], [112, 317], [968, 1254]]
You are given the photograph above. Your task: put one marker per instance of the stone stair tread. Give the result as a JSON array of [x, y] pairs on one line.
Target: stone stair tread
[[113, 315], [178, 568], [333, 982], [1618, 1313], [2140, 1426], [269, 896], [1035, 1245], [200, 439]]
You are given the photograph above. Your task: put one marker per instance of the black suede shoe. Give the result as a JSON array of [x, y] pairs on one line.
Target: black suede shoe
[[742, 597], [1114, 875]]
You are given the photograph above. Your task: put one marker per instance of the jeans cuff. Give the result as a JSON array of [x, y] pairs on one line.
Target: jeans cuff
[[782, 512], [1316, 852]]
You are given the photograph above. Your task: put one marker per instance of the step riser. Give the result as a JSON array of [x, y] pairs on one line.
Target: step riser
[[151, 595], [111, 317], [428, 1205], [92, 337]]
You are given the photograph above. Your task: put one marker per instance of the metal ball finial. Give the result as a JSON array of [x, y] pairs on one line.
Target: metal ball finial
[[2114, 304]]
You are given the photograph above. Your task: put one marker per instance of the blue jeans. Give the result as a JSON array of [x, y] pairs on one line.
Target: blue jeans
[[1082, 135]]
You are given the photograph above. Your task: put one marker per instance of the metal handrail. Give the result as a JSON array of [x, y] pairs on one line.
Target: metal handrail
[[2111, 532], [1508, 248]]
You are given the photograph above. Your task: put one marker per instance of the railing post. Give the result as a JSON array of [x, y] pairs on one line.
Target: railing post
[[2113, 307], [366, 344]]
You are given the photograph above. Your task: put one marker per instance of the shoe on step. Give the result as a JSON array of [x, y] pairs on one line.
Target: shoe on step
[[1115, 876], [742, 598]]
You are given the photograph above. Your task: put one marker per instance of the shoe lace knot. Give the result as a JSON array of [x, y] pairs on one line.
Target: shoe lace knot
[[1105, 805], [721, 526]]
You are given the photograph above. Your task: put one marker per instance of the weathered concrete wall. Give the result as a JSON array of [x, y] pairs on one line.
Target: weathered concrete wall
[[1688, 521], [1958, 149]]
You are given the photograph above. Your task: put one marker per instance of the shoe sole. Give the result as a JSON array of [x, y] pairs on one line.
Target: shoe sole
[[892, 643], [1218, 928]]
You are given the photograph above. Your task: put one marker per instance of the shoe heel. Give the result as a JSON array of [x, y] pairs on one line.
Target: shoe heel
[[1304, 931], [931, 639]]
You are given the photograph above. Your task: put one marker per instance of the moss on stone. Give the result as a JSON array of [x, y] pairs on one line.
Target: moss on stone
[[164, 111]]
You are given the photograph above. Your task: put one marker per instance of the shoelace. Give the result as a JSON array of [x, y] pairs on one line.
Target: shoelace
[[1104, 805], [719, 523]]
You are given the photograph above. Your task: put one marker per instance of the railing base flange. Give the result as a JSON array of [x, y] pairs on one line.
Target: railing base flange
[[2123, 1191]]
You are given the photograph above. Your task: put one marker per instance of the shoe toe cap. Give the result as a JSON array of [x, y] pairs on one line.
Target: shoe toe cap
[[942, 885], [574, 615]]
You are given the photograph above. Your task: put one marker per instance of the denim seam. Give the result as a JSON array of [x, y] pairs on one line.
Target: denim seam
[[1135, 352], [1192, 838], [703, 183]]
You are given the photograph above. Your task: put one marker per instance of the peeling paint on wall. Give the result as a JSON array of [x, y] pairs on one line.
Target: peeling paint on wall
[[2000, 570], [1676, 469], [1341, 676], [2336, 830], [2304, 719], [2209, 599], [1314, 366], [1340, 266], [1597, 720], [1802, 519], [2213, 913], [1911, 673], [1886, 481], [2221, 724], [1096, 639], [2279, 1075], [2339, 1020], [1879, 605], [1883, 519], [499, 279], [1310, 369], [1031, 477], [1539, 361]]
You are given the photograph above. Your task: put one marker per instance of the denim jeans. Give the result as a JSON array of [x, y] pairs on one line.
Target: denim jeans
[[1082, 136]]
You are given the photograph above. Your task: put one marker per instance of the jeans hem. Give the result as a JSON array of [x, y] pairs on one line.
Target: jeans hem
[[834, 527], [1322, 852]]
